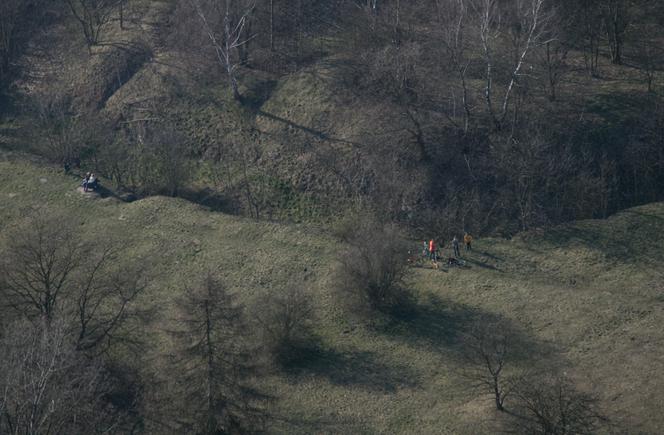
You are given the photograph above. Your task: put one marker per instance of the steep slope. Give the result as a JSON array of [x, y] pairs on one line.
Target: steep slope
[[325, 138]]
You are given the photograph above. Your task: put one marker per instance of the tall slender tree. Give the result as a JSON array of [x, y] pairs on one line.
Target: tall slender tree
[[214, 362]]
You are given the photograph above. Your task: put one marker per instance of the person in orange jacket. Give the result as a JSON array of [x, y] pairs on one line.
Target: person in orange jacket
[[432, 250], [468, 240]]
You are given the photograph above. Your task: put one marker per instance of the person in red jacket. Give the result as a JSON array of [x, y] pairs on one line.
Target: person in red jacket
[[432, 250]]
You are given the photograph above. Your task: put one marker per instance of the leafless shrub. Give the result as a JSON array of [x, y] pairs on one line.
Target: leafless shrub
[[553, 406], [153, 159], [346, 228], [286, 318], [92, 16], [59, 130], [374, 267]]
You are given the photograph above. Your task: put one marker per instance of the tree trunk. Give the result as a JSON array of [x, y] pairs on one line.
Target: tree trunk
[[552, 81], [121, 14], [271, 25], [397, 24], [210, 367], [497, 396]]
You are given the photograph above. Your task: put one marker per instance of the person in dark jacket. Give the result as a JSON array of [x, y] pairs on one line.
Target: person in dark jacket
[[455, 244]]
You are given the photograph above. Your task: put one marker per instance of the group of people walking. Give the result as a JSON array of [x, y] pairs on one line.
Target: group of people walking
[[433, 251]]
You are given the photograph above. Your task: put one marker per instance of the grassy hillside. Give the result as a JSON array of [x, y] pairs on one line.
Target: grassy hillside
[[593, 290]]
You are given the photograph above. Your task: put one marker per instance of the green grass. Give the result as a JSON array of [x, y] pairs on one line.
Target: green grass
[[591, 289]]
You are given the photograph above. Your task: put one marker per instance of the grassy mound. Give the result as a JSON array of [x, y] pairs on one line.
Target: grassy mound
[[591, 289]]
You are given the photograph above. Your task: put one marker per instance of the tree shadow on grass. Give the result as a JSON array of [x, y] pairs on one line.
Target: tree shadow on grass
[[491, 256], [430, 322], [441, 324], [361, 369], [482, 264]]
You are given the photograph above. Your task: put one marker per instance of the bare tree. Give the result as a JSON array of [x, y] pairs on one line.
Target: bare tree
[[117, 161], [104, 300], [528, 20], [555, 61], [216, 364], [490, 349], [553, 52], [553, 406], [122, 7], [648, 54], [38, 266], [271, 25], [455, 25], [92, 16], [589, 20], [224, 23], [50, 273], [46, 386], [11, 12], [617, 19], [168, 160], [60, 128]]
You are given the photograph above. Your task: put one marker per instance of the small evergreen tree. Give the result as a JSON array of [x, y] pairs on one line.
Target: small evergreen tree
[[215, 363]]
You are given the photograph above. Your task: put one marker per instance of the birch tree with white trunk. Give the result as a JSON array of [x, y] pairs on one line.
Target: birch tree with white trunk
[[224, 23], [524, 21]]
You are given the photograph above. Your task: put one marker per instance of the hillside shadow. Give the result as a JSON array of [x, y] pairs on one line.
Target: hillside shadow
[[211, 199], [614, 106], [128, 59], [257, 94], [105, 192], [359, 369]]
